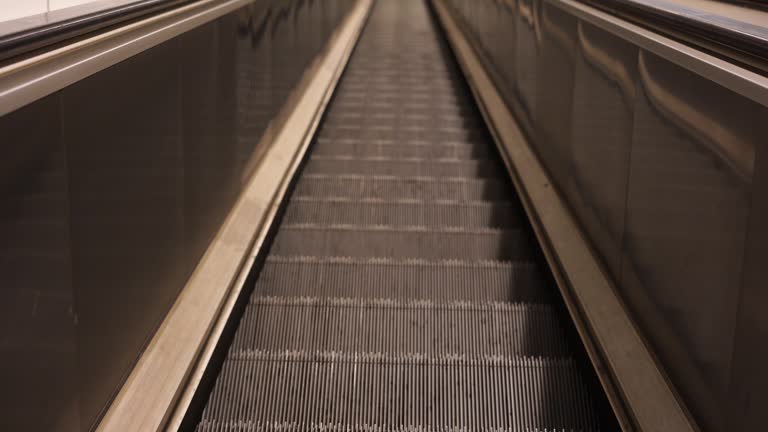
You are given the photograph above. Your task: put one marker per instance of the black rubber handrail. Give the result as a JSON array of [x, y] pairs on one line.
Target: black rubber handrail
[[72, 23], [726, 36], [741, 41]]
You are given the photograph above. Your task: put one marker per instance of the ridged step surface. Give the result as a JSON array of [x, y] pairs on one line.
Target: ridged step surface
[[402, 242], [425, 189], [344, 212], [397, 119], [399, 96], [425, 327], [403, 133], [401, 279], [382, 392], [368, 107], [400, 149], [485, 168]]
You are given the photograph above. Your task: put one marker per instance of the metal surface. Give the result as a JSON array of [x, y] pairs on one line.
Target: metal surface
[[735, 27], [33, 78], [28, 34], [402, 290], [335, 390], [112, 190], [655, 147]]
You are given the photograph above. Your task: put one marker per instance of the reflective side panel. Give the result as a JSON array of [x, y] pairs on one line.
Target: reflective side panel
[[112, 189], [686, 224], [505, 43], [526, 53], [208, 60], [254, 104], [747, 397], [604, 93], [129, 251], [555, 64], [656, 162], [38, 346]]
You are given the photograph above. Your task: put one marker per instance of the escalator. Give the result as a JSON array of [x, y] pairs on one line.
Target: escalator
[[404, 288]]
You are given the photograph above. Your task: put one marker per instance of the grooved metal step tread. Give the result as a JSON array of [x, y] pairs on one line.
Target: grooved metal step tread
[[415, 75], [391, 149], [401, 278], [394, 119], [441, 85], [402, 242], [409, 80], [415, 109], [389, 132], [427, 189], [397, 66], [483, 168], [401, 116], [369, 107], [402, 95], [399, 327], [434, 105], [336, 212], [260, 390]]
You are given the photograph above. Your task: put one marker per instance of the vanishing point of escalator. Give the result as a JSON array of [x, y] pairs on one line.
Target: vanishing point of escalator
[[402, 290]]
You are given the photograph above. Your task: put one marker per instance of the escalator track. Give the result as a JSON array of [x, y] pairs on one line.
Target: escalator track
[[404, 288]]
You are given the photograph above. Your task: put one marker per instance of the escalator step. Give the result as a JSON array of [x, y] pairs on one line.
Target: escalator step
[[369, 107], [398, 149], [361, 82], [426, 189], [399, 327], [425, 73], [485, 168], [405, 279], [389, 132], [261, 390], [426, 119], [410, 242], [404, 95], [341, 212]]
